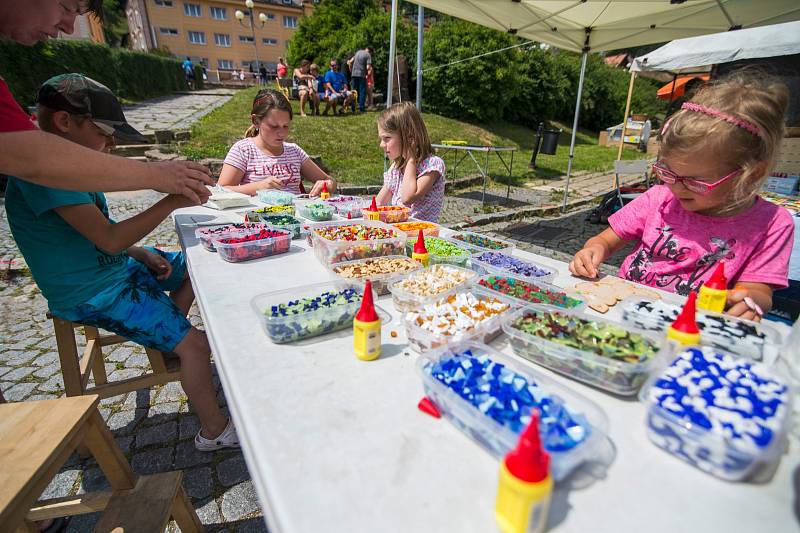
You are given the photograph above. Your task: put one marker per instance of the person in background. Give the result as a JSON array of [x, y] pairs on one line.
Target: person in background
[[336, 91], [306, 87], [283, 69], [361, 69], [319, 86], [262, 75], [370, 88], [28, 152], [188, 71]]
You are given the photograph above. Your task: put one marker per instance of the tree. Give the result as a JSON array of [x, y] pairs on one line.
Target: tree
[[115, 23]]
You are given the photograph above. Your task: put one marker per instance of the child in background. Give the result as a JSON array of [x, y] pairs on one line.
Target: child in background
[[716, 152], [87, 266], [416, 177], [262, 160]]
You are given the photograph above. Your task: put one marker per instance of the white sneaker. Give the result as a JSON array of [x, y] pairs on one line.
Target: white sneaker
[[226, 439]]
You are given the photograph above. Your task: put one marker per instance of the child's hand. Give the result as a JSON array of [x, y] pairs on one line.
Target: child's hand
[[270, 182], [155, 262], [586, 262], [317, 188], [741, 304]]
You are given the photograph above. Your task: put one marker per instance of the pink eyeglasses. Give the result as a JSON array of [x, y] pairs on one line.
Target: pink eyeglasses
[[700, 187]]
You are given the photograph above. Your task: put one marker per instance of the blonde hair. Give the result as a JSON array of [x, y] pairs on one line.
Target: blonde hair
[[405, 120], [265, 101], [750, 96]]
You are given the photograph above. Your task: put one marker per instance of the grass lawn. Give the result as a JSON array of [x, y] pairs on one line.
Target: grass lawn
[[349, 144]]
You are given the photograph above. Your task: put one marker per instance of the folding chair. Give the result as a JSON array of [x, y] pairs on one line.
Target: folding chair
[[636, 168]]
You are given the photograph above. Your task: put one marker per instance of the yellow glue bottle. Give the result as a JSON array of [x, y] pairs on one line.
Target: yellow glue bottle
[[367, 328], [324, 194], [684, 330], [372, 213], [420, 253], [714, 292], [525, 485]]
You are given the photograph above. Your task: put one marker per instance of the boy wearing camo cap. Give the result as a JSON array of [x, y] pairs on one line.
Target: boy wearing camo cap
[[87, 266]]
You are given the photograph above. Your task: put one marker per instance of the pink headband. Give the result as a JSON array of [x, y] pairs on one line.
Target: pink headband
[[730, 119]]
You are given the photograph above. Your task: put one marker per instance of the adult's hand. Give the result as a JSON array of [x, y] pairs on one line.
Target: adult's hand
[[186, 178]]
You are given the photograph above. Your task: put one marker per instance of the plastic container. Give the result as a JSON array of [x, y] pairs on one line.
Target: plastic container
[[534, 284], [614, 375], [484, 267], [348, 205], [406, 300], [481, 242], [245, 251], [290, 328], [411, 228], [498, 439], [275, 197], [461, 260], [317, 211], [715, 453], [336, 251], [209, 234], [485, 331], [379, 281], [295, 227], [391, 214], [254, 215]]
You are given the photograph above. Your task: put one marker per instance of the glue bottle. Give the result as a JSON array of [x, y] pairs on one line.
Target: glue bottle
[[420, 253], [367, 328], [684, 329], [714, 292], [525, 485], [372, 213], [324, 194]]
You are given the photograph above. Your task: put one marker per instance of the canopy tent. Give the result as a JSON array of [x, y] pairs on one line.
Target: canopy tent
[[596, 25], [676, 87]]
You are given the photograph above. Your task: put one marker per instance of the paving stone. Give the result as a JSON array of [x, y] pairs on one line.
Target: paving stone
[[47, 371], [125, 373], [186, 455], [239, 501], [48, 344], [15, 357], [61, 485], [93, 480], [124, 444], [137, 361], [19, 373], [54, 384], [125, 422], [198, 482], [5, 370], [120, 354], [207, 511], [152, 461], [232, 471], [171, 392], [39, 397], [160, 434], [47, 359], [83, 523], [254, 525], [18, 392], [188, 426], [168, 408]]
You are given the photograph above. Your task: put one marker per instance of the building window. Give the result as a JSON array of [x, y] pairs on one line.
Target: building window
[[192, 10], [270, 16], [163, 3], [289, 22], [222, 39], [248, 64], [168, 31], [245, 39], [225, 64], [269, 42], [197, 37], [204, 61], [287, 2], [218, 13]]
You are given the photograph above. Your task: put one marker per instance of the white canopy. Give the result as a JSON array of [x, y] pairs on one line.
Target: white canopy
[[768, 41]]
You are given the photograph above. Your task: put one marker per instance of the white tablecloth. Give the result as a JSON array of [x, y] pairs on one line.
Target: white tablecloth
[[337, 444]]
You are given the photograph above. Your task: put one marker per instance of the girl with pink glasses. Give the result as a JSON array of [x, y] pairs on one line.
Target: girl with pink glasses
[[716, 152]]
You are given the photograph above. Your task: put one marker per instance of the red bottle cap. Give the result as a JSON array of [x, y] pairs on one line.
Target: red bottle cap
[[718, 280], [373, 206], [367, 312], [324, 186], [686, 322], [419, 246], [428, 407], [528, 461], [349, 215]]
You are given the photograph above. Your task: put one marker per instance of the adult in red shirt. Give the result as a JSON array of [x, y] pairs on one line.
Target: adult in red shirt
[[47, 159]]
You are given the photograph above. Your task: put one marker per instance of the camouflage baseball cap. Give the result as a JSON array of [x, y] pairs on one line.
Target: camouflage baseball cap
[[79, 95]]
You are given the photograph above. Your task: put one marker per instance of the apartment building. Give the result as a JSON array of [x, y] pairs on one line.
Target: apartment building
[[209, 33]]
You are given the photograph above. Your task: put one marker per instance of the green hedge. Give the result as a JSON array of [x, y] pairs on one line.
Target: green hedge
[[132, 75]]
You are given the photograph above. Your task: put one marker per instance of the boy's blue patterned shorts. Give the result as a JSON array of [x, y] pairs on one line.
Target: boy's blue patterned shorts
[[138, 308]]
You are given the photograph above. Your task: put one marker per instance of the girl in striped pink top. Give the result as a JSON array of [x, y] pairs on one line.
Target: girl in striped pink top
[[262, 160]]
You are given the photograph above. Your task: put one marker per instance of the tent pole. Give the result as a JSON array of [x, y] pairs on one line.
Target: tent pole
[[420, 28], [584, 55], [625, 116], [392, 44]]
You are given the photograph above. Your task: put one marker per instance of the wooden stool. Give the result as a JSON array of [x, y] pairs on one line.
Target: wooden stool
[[36, 438], [78, 370]]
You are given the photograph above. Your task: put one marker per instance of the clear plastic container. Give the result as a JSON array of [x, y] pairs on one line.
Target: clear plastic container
[[491, 244], [483, 267], [295, 226], [429, 229], [406, 300], [348, 205], [379, 281], [275, 197], [614, 375], [498, 439], [254, 215], [460, 260], [329, 251], [723, 332], [535, 283], [290, 328], [209, 234], [391, 214], [245, 251], [712, 452], [318, 211], [485, 331]]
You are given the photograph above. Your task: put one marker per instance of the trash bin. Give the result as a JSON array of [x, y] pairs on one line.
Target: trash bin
[[549, 141]]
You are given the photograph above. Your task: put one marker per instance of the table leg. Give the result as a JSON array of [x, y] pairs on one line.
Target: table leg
[[108, 455], [510, 171], [485, 178]]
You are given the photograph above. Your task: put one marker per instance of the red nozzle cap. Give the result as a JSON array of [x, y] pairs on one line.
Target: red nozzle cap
[[718, 280], [686, 322], [528, 461], [419, 246], [427, 406], [324, 186], [367, 312], [349, 215], [373, 206]]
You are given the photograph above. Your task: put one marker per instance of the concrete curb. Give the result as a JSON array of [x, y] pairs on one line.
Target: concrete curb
[[515, 214]]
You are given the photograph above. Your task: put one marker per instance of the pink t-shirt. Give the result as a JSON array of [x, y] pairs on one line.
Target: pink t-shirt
[[257, 165], [678, 249], [430, 207]]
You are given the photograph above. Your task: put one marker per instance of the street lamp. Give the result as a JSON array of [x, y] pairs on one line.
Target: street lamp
[[239, 14]]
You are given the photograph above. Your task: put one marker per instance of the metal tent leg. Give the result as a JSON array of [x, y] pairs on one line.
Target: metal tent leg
[[584, 55]]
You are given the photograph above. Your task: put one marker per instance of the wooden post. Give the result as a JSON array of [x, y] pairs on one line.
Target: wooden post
[[625, 118]]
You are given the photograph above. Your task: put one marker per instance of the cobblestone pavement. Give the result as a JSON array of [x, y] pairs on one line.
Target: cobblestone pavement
[[176, 111]]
